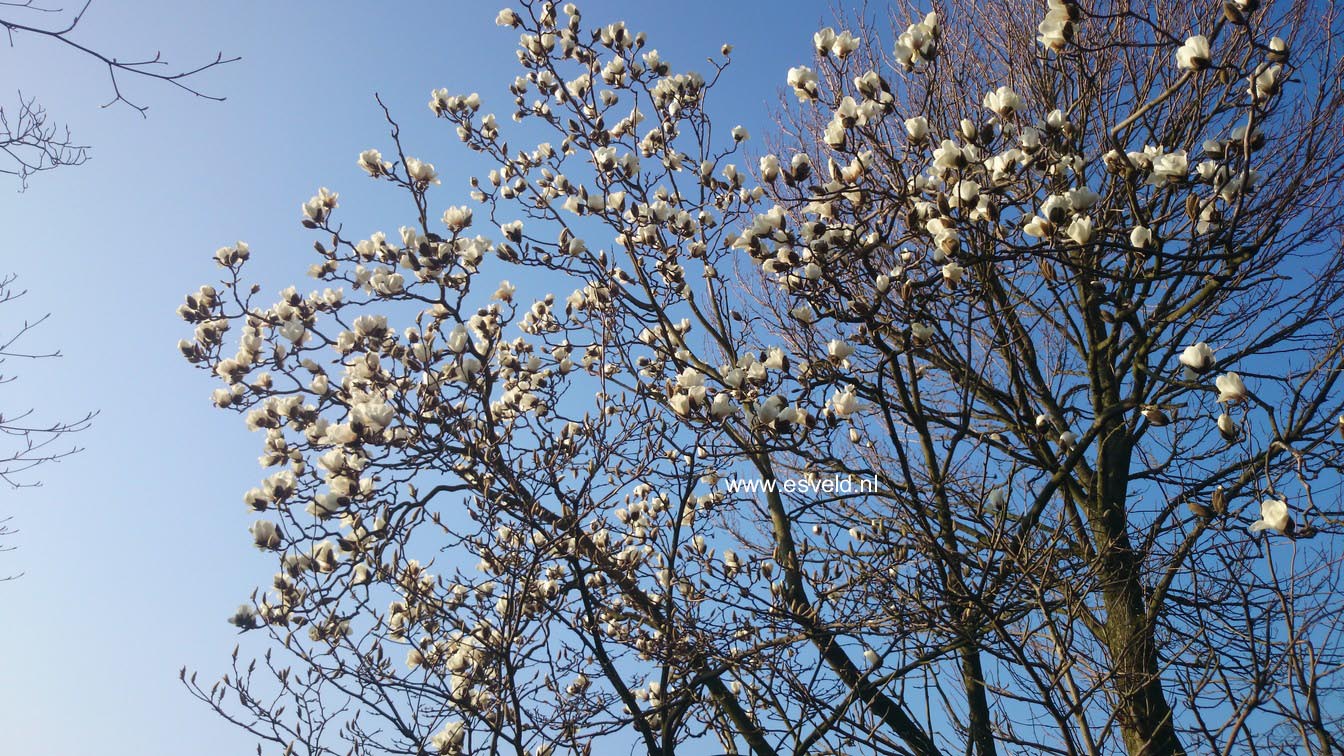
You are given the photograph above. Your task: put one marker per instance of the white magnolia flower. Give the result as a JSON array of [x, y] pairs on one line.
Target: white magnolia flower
[[507, 17], [1054, 31], [1082, 198], [325, 505], [458, 340], [320, 206], [1168, 167], [917, 128], [722, 406], [770, 167], [918, 42], [420, 172], [838, 350], [457, 218], [1003, 101], [952, 273], [1068, 439], [245, 618], [844, 45], [1227, 427], [845, 403], [505, 291], [1194, 55], [835, 132], [1141, 237], [450, 738], [948, 242], [680, 404], [1056, 208], [387, 283], [294, 330], [871, 86], [265, 535], [279, 486], [1264, 83], [769, 409], [824, 40], [949, 156], [1278, 50], [374, 414], [691, 378], [804, 313], [363, 575], [579, 685], [1198, 357], [1037, 227], [1212, 173], [372, 162], [1273, 516], [1030, 139], [730, 561], [804, 83], [1081, 230], [1231, 389], [965, 193]]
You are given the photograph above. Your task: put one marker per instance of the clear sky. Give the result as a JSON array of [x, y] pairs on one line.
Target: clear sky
[[136, 551]]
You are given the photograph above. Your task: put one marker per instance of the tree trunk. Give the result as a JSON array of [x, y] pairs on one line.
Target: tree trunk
[[973, 679], [1144, 717]]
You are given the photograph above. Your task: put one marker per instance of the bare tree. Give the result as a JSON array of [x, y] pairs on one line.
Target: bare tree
[[30, 143], [29, 140], [26, 440], [912, 443], [30, 442]]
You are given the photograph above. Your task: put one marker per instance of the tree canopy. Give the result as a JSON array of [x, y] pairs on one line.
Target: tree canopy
[[993, 409]]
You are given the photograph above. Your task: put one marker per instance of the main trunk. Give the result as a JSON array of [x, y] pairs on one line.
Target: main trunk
[[1144, 717]]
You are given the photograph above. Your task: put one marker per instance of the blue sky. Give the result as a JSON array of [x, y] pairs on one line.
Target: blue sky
[[136, 550]]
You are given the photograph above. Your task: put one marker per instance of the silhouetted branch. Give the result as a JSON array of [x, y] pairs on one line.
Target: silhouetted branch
[[30, 140], [25, 442]]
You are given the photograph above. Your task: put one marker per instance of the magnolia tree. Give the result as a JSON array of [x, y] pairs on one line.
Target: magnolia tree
[[996, 410]]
